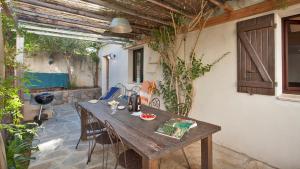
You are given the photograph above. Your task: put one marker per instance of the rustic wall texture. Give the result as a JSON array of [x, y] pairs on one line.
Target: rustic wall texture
[[83, 68]]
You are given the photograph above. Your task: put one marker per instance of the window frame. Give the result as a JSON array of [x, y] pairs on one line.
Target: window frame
[[285, 23], [134, 77]]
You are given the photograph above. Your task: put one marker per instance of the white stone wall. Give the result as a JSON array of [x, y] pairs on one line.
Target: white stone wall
[[262, 127]]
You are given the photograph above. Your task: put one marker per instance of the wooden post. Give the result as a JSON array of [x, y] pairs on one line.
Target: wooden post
[[150, 164], [3, 164], [2, 67], [206, 153]]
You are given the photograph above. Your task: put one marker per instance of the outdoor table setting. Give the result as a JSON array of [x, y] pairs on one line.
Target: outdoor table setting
[[143, 131]]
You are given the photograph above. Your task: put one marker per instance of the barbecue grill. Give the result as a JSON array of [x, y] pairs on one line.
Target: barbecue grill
[[42, 99]]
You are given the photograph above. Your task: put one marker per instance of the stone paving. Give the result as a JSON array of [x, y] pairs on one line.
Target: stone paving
[[57, 139]]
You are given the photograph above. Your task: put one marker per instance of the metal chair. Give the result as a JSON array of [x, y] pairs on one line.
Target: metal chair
[[155, 103], [128, 159], [98, 138], [87, 127]]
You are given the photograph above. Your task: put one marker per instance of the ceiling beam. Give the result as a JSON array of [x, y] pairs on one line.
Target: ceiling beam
[[50, 11], [259, 8], [73, 37], [57, 22], [69, 26], [122, 9], [79, 22], [170, 8], [69, 32], [36, 23], [221, 5], [65, 9]]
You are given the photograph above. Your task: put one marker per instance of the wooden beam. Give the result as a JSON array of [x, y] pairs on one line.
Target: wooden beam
[[68, 32], [73, 37], [51, 12], [246, 12], [58, 18], [223, 6], [170, 8], [65, 9], [58, 22], [68, 26], [36, 23], [122, 9]]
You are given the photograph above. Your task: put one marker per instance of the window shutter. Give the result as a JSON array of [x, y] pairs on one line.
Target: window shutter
[[256, 55]]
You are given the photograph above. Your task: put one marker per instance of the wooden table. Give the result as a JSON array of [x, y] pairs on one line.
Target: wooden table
[[140, 136]]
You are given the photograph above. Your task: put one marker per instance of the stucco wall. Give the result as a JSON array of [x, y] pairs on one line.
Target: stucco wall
[[262, 127], [120, 68], [82, 68]]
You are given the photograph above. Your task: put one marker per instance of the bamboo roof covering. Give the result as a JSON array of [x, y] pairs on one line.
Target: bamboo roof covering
[[89, 18]]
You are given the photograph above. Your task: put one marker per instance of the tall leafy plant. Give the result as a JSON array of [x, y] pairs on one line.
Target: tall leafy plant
[[180, 69], [19, 137]]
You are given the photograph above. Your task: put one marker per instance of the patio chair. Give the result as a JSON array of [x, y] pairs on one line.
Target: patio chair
[[87, 127], [112, 93], [98, 138], [128, 159]]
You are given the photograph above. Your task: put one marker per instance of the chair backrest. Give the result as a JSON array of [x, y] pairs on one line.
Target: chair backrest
[[78, 109], [111, 93], [116, 141], [155, 103]]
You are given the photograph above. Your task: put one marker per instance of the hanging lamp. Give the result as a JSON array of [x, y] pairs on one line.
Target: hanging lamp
[[120, 25]]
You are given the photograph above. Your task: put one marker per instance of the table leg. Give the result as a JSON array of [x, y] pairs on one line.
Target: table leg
[[206, 153], [84, 116], [150, 164]]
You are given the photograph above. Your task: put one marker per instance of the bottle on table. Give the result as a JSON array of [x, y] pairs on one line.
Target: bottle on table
[[130, 104]]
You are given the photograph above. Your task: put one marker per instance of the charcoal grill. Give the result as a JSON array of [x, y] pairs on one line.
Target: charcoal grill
[[42, 99]]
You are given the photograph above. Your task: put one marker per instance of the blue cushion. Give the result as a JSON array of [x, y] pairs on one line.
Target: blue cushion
[[110, 93]]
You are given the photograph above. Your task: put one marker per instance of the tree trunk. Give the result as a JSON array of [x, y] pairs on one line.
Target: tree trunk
[[69, 69], [2, 67], [96, 78]]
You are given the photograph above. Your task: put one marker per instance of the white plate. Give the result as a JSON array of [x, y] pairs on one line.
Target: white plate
[[93, 101], [121, 107]]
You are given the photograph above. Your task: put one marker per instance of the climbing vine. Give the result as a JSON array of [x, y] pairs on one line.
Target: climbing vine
[[18, 135], [180, 69]]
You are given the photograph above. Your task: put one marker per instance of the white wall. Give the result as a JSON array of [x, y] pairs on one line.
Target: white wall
[[120, 68], [262, 127]]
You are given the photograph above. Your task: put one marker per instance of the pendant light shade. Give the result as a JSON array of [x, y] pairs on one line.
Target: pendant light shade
[[120, 25]]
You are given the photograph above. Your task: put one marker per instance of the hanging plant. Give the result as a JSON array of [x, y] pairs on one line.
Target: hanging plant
[[179, 72]]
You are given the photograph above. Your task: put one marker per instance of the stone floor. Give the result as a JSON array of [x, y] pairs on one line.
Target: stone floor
[[58, 136]]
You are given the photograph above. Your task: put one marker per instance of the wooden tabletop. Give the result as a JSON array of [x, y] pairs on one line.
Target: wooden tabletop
[[140, 135]]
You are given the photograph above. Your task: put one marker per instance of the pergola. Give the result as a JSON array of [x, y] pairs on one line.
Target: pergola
[[90, 19]]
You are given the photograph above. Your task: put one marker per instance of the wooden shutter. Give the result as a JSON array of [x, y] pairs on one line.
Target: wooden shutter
[[256, 55]]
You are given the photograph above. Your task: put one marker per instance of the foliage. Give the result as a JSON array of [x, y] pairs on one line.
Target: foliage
[[64, 46], [57, 45], [179, 72], [18, 143]]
